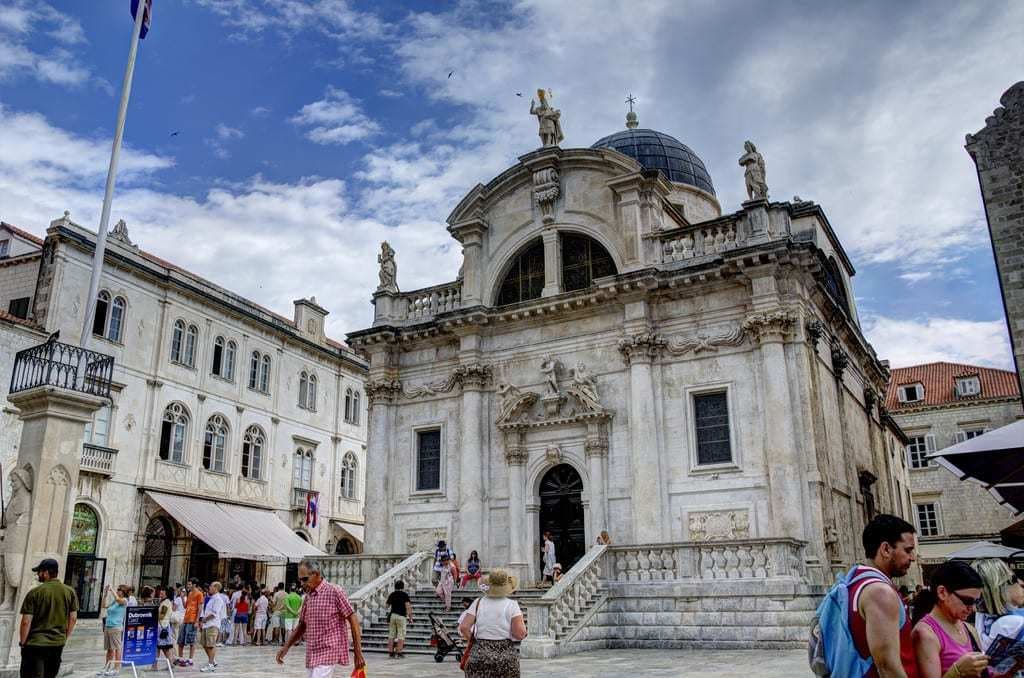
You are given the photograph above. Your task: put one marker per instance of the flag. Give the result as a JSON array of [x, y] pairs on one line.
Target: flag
[[146, 17], [312, 508]]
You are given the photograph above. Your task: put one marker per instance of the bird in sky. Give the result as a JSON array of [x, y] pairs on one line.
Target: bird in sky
[[519, 94], [450, 74], [174, 134]]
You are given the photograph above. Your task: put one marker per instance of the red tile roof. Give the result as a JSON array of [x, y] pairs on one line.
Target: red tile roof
[[7, 317], [22, 234], [939, 381]]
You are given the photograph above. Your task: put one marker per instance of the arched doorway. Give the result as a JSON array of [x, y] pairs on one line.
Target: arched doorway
[[85, 572], [345, 547], [156, 554], [561, 513]]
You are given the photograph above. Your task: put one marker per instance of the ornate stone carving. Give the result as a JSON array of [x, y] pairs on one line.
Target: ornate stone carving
[[643, 347], [715, 525], [59, 485], [752, 163], [475, 375], [595, 446], [553, 454], [840, 361], [388, 269], [433, 388], [584, 389], [546, 190], [514, 402], [18, 518], [516, 455], [120, 233], [549, 368], [704, 342], [548, 120], [424, 538], [815, 331], [382, 390], [870, 398], [769, 324]]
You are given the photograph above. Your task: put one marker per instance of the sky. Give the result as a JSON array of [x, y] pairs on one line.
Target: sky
[[272, 144]]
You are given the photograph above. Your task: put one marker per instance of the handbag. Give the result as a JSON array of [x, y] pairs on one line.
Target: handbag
[[472, 639]]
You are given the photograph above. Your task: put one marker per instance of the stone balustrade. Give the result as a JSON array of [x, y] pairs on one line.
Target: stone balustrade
[[424, 304], [735, 559], [370, 600], [554, 615], [98, 459], [354, 571], [698, 241]]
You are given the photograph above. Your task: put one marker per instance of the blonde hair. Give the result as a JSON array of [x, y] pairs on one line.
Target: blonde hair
[[994, 575]]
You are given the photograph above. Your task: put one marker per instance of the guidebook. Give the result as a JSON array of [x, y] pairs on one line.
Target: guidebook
[[1005, 655]]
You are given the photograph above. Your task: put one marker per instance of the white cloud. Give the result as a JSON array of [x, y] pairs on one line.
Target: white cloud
[[912, 342], [226, 133], [259, 112], [335, 119], [335, 18], [916, 276], [391, 93], [59, 66]]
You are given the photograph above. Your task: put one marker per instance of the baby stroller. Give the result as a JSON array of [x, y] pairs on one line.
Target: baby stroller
[[443, 640]]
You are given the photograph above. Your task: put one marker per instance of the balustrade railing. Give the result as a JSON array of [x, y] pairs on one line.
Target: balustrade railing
[[64, 366], [429, 302], [370, 601], [98, 459], [553, 614], [353, 571], [712, 560], [698, 241]]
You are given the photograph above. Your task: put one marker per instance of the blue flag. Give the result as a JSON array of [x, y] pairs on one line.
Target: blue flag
[[147, 15]]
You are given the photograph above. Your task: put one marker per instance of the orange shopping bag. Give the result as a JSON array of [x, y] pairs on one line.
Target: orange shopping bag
[[359, 672]]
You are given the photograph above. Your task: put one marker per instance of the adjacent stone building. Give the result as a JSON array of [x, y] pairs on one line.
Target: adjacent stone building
[[998, 153], [226, 423], [938, 405]]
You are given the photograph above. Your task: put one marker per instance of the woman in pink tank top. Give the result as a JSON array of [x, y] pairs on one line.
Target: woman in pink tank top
[[943, 643]]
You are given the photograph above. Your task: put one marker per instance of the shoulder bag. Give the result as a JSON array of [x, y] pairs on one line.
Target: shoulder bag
[[472, 638]]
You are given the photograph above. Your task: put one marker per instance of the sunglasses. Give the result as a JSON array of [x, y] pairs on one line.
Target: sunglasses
[[969, 602]]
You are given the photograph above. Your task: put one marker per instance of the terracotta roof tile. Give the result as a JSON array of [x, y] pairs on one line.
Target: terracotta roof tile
[[22, 234], [939, 381], [7, 317]]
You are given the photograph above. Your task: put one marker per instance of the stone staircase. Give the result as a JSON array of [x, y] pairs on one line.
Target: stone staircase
[[424, 600]]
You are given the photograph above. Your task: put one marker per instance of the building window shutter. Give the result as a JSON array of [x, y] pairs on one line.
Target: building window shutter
[[961, 436]]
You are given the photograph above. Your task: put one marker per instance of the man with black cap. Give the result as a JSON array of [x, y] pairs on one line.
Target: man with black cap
[[48, 617]]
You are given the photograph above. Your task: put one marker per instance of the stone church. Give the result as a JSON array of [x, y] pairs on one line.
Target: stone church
[[617, 353]]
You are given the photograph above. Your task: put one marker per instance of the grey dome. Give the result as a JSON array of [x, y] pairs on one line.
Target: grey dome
[[657, 151]]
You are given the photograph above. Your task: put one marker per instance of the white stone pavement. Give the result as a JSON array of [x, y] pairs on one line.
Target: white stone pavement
[[86, 652]]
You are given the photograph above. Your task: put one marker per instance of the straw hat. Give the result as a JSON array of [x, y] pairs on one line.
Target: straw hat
[[500, 583]]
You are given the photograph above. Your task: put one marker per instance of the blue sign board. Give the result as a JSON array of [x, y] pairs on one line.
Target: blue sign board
[[140, 632]]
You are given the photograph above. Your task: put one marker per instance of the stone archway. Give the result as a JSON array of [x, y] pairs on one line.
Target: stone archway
[[562, 514]]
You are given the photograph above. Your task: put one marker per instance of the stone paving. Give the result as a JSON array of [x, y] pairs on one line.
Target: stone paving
[[86, 651]]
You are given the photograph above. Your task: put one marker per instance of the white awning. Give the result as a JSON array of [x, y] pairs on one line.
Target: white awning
[[355, 530], [236, 531]]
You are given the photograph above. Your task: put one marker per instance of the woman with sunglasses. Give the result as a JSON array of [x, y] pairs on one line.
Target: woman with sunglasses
[[945, 646], [1004, 597]]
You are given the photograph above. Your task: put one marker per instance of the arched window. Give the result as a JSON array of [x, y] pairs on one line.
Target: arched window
[[348, 475], [99, 318], [214, 443], [265, 374], [583, 260], [303, 388], [311, 395], [254, 370], [302, 472], [348, 405], [85, 527], [525, 277], [177, 340], [156, 556], [174, 433], [116, 319], [834, 284], [252, 452], [229, 361], [344, 547], [355, 407], [218, 356], [191, 337]]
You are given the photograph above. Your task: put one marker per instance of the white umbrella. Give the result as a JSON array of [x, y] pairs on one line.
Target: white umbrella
[[985, 549], [995, 458]]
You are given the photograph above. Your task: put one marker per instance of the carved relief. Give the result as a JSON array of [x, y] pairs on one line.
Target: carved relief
[[703, 342], [59, 488], [815, 331], [584, 389], [252, 489], [514, 402], [779, 322], [424, 538], [18, 517], [553, 454], [382, 390], [643, 347], [716, 525], [129, 422], [546, 190], [516, 456], [474, 376], [170, 473]]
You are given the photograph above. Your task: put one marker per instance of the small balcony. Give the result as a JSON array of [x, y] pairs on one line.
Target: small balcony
[[300, 495], [98, 459], [63, 366]]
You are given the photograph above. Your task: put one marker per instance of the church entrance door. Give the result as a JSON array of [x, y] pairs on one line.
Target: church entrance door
[[561, 514]]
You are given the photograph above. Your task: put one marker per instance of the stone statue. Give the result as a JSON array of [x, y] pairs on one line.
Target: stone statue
[[753, 171], [550, 369], [548, 118], [509, 395], [18, 515], [584, 388], [388, 269]]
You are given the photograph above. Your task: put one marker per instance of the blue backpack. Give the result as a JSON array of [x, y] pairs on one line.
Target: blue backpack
[[830, 648]]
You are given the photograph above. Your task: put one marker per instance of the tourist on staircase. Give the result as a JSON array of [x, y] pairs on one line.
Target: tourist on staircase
[[549, 560], [442, 551], [446, 583], [472, 570], [492, 625], [400, 613]]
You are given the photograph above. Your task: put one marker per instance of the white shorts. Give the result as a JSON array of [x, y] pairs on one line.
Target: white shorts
[[289, 624], [324, 671]]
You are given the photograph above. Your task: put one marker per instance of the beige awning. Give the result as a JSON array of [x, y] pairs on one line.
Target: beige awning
[[236, 531], [354, 530], [937, 551]]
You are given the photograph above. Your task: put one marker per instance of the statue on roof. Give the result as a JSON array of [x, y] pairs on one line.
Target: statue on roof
[[753, 171], [548, 118], [388, 269]]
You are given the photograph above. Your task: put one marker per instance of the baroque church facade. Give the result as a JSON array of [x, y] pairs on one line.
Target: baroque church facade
[[619, 354]]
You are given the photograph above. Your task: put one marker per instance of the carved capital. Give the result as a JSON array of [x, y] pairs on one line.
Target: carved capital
[[516, 455], [770, 325], [474, 376], [382, 390], [595, 446], [641, 348]]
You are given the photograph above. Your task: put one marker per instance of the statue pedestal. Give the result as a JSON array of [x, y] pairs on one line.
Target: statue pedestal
[[756, 217], [552, 404], [43, 492]]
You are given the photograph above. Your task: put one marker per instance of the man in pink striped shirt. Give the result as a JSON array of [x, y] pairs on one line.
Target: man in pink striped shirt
[[325, 621]]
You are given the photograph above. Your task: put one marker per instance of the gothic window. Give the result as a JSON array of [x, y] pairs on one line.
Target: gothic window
[[173, 433], [303, 388], [108, 320], [428, 460], [116, 319], [252, 452], [307, 390], [265, 374], [214, 443], [583, 260], [85, 526], [311, 396], [99, 318], [218, 356], [228, 368], [524, 279], [355, 407], [711, 420], [348, 475], [156, 555], [254, 370], [177, 340], [348, 405], [302, 472], [189, 354]]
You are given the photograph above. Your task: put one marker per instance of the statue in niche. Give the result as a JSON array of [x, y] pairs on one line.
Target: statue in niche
[[388, 269], [550, 370], [548, 119], [584, 388], [754, 172], [18, 516]]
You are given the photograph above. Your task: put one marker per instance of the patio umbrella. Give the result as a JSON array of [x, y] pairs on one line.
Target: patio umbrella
[[984, 549], [996, 459]]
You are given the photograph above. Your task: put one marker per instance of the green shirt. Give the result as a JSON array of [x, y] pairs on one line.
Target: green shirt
[[292, 603], [50, 604]]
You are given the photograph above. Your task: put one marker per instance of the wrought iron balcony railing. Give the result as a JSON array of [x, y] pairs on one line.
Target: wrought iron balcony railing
[[98, 459], [64, 366]]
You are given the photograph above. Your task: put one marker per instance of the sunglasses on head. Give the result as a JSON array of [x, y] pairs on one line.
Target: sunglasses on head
[[969, 602]]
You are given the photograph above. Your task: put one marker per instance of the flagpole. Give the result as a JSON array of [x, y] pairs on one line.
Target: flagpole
[[101, 236]]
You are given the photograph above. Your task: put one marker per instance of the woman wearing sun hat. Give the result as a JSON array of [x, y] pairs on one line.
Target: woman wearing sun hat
[[494, 621]]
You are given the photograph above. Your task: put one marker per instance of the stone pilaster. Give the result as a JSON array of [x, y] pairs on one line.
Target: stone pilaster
[[380, 394], [552, 267], [516, 457], [473, 377], [596, 451], [471, 234]]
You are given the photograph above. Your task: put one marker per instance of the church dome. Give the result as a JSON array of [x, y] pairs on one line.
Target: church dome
[[657, 151]]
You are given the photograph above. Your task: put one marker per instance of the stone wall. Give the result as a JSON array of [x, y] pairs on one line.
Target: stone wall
[[14, 337], [17, 280]]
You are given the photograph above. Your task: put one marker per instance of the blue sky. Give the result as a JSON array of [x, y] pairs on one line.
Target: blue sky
[[309, 131]]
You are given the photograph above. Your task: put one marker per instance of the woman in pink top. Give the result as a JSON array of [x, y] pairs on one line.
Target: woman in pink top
[[945, 646]]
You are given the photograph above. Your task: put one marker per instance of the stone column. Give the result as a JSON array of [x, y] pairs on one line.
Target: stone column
[[532, 541], [471, 456], [516, 457], [41, 504], [380, 394], [770, 329], [639, 351], [552, 264], [596, 449], [471, 234]]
